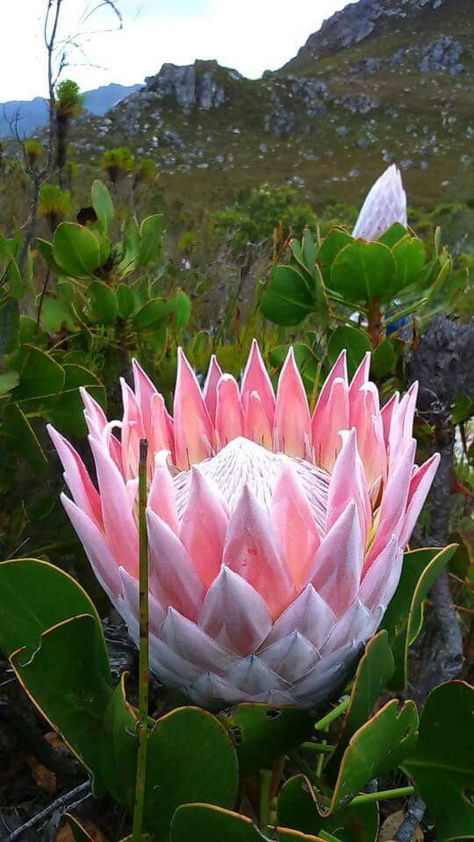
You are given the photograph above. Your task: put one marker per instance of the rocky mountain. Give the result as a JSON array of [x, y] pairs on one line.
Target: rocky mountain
[[33, 114], [381, 81]]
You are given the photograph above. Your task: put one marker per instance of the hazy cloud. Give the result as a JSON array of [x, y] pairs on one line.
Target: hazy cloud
[[251, 35]]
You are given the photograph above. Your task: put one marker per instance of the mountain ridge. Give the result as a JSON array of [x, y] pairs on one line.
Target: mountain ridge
[[327, 123], [33, 113]]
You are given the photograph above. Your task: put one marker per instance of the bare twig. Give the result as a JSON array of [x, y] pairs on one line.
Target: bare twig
[[443, 366], [75, 796], [414, 814]]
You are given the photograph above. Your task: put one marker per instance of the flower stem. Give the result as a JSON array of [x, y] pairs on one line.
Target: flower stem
[[266, 777], [323, 724], [143, 680], [384, 795], [318, 748]]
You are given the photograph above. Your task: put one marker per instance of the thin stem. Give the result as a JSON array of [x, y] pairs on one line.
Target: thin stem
[[318, 748], [143, 685], [384, 795], [323, 724], [266, 777], [327, 836]]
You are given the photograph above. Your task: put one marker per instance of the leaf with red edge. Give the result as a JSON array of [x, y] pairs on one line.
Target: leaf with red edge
[[374, 670], [207, 823], [68, 679], [442, 765], [404, 615], [298, 807]]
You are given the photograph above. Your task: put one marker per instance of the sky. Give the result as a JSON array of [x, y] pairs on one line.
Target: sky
[[249, 35]]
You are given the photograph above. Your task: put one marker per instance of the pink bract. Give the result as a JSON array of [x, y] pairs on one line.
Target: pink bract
[[276, 536]]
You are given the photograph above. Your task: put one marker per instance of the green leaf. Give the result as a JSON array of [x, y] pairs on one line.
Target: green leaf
[[262, 733], [151, 240], [41, 377], [103, 303], [306, 361], [68, 679], [10, 275], [119, 755], [363, 271], [153, 314], [8, 381], [297, 807], [22, 438], [34, 596], [384, 359], [409, 254], [404, 615], [442, 765], [9, 325], [336, 240], [102, 204], [287, 299], [374, 670], [377, 748], [30, 334], [462, 408], [67, 414], [181, 308], [125, 300], [76, 250], [394, 234], [55, 315], [129, 249], [355, 341], [207, 823], [190, 758], [45, 249]]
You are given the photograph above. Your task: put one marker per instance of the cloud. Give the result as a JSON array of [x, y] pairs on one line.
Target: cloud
[[251, 35]]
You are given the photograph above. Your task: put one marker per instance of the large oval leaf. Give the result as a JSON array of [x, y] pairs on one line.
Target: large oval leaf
[[68, 679], [404, 615], [41, 377], [374, 670], [354, 341], [363, 271], [190, 758], [297, 807], [262, 733], [76, 250], [67, 414], [287, 298], [442, 765], [102, 303], [34, 596], [102, 204], [207, 823], [23, 439]]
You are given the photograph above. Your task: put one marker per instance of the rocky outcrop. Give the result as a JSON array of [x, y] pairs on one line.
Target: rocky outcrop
[[442, 56], [198, 85], [360, 103], [357, 21], [293, 95]]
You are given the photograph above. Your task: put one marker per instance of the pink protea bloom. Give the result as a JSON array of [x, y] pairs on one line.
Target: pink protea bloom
[[385, 204], [275, 537]]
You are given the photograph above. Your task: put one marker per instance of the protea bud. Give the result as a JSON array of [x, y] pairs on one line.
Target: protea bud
[[276, 538], [385, 204]]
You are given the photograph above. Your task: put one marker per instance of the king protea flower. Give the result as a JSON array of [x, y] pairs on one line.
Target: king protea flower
[[275, 537], [386, 203]]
